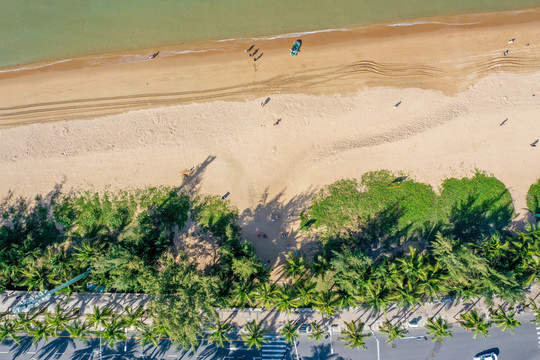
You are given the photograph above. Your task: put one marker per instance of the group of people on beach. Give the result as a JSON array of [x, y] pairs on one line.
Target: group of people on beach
[[248, 51]]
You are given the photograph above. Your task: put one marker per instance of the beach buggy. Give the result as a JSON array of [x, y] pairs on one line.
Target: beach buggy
[[296, 47]]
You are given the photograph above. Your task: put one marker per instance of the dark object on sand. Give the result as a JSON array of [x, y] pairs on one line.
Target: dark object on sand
[[265, 101], [506, 53], [251, 47], [258, 57], [256, 51], [225, 196], [277, 122], [154, 55], [533, 144], [504, 122], [296, 47]]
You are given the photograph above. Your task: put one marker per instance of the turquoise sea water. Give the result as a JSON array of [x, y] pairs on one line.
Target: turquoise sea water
[[36, 30]]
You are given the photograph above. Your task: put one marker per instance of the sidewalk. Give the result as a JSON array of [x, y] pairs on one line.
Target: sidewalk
[[271, 319]]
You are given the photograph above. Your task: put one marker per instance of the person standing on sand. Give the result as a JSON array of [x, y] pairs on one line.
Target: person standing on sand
[[249, 50]]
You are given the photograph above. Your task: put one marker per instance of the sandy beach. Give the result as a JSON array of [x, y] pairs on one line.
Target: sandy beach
[[82, 124]]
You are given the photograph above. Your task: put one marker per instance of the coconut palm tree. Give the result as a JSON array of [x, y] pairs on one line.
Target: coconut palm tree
[[35, 277], [113, 331], [87, 252], [326, 302], [439, 328], [295, 266], [254, 335], [241, 294], [40, 331], [393, 331], [219, 333], [317, 332], [352, 334], [265, 295], [287, 298], [471, 320], [505, 320], [306, 291], [8, 330], [148, 335], [59, 320], [78, 330], [99, 317], [536, 309], [289, 332], [413, 266], [132, 317], [376, 298]]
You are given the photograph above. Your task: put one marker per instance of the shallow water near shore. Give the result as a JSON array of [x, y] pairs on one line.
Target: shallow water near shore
[[35, 30]]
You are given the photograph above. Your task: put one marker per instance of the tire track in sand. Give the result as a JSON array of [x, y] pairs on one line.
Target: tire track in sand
[[364, 70]]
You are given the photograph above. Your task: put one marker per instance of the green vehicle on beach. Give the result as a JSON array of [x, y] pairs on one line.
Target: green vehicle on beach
[[296, 47]]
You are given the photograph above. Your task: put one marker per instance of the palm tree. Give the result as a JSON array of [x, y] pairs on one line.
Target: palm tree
[[148, 335], [241, 294], [219, 333], [290, 332], [326, 302], [78, 330], [113, 331], [8, 330], [353, 334], [287, 298], [59, 320], [88, 252], [265, 294], [254, 335], [40, 331], [376, 298], [506, 321], [317, 332], [35, 278], [99, 316], [439, 328], [132, 317], [471, 320], [296, 266], [413, 267], [393, 331], [306, 290], [536, 309]]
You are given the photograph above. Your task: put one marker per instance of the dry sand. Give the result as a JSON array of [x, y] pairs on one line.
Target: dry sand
[[335, 101]]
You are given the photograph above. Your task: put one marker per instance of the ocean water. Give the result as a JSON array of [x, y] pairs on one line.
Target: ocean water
[[39, 30]]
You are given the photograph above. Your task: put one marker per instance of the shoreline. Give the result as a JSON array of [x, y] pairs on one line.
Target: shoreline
[[472, 20], [449, 20], [330, 62]]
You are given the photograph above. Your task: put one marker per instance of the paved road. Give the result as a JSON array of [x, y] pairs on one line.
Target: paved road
[[524, 345]]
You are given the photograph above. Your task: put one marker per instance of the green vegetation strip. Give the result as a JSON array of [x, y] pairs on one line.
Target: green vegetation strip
[[385, 240]]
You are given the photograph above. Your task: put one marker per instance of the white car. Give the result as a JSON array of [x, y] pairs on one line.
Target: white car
[[489, 356]]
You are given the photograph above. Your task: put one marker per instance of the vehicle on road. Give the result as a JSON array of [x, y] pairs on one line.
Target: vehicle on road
[[296, 47], [488, 356]]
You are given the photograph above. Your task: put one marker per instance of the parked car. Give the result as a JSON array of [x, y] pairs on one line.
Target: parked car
[[304, 329], [488, 356]]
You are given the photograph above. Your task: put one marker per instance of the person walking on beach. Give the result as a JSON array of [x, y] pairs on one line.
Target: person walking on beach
[[249, 50], [154, 55], [277, 122], [506, 53], [256, 51]]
